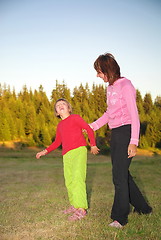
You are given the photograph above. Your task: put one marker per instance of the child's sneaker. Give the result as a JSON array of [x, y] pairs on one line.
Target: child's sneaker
[[71, 209], [115, 224], [79, 214]]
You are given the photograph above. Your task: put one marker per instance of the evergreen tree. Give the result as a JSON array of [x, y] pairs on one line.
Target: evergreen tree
[[44, 136], [61, 91], [30, 120], [157, 102], [5, 134], [140, 104], [24, 95], [20, 129], [153, 131], [76, 101], [148, 103]]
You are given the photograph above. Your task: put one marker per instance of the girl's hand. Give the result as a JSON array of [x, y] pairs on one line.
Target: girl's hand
[[42, 153], [95, 150], [132, 149]]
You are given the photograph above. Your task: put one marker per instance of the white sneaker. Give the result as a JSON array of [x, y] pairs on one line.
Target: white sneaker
[[115, 224]]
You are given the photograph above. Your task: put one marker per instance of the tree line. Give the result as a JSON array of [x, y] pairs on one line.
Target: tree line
[[29, 117]]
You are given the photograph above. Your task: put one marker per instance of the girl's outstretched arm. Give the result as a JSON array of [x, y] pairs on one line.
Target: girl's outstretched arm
[[42, 153]]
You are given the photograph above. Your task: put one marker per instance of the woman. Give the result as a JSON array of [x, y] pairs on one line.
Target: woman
[[122, 117]]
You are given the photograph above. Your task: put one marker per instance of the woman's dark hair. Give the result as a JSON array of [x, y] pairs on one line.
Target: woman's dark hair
[[107, 64], [64, 100]]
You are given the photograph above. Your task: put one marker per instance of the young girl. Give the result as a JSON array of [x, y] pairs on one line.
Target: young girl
[[122, 117], [69, 134]]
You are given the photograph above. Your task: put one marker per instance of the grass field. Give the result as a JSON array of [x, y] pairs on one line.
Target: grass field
[[32, 196]]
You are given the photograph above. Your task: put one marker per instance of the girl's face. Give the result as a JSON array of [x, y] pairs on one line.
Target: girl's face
[[62, 109], [103, 76]]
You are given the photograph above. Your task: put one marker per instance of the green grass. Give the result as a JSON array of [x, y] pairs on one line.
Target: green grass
[[32, 196]]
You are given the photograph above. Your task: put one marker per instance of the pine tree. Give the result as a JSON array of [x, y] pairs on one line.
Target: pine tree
[[45, 136], [157, 102], [30, 120], [5, 134], [61, 91], [140, 107], [148, 103]]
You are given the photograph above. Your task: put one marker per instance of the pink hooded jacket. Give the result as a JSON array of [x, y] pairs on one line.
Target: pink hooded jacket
[[122, 109]]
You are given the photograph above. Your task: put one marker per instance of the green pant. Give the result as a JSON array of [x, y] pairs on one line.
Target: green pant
[[75, 167]]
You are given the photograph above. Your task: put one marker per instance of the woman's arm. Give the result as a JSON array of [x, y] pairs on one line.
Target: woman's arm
[[100, 122], [129, 94]]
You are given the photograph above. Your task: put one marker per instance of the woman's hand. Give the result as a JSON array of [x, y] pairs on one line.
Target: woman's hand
[[85, 131], [42, 153], [95, 150], [91, 126], [132, 150]]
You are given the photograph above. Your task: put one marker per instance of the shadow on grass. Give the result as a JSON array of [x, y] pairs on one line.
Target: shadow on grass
[[139, 181]]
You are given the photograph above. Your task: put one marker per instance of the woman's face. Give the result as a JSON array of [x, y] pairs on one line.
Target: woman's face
[[102, 76]]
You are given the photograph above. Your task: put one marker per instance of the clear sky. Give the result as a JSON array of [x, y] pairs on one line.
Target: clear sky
[[42, 41]]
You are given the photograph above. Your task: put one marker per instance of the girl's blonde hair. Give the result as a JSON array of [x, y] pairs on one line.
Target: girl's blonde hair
[[64, 100]]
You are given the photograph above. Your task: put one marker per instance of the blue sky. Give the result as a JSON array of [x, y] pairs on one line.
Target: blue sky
[[42, 41]]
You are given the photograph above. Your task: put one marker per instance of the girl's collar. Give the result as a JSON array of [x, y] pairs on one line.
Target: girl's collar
[[66, 117]]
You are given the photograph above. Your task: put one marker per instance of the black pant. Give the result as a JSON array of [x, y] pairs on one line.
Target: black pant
[[126, 191]]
